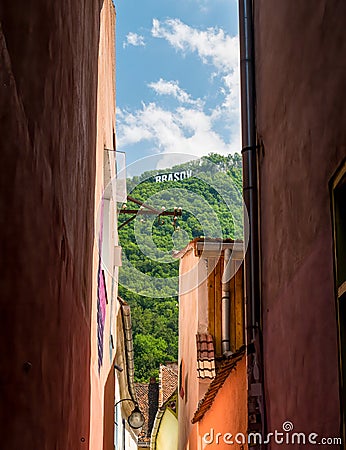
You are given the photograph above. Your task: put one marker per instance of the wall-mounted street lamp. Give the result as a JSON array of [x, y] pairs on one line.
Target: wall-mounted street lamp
[[136, 418]]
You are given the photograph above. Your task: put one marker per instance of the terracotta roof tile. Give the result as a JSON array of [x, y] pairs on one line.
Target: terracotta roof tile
[[142, 398], [168, 381], [147, 397], [167, 384], [205, 356], [224, 370]]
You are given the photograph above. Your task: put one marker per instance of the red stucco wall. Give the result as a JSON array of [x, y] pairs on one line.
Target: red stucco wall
[[301, 115], [48, 85]]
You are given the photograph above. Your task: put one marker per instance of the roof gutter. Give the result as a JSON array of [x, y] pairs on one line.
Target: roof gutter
[[250, 192], [129, 354]]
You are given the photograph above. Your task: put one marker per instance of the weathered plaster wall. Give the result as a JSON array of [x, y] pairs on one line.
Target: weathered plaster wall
[[188, 309], [104, 223], [108, 408], [48, 86], [301, 114], [227, 414], [167, 436]]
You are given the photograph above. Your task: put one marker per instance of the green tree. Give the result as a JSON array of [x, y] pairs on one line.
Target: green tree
[[215, 194], [149, 352]]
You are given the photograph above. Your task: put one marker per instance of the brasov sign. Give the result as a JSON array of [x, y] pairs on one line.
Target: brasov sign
[[174, 176]]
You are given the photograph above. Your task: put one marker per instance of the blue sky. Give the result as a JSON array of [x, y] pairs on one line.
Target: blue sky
[[177, 74]]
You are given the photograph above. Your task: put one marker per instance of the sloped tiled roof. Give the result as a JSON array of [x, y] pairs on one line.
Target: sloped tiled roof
[[168, 381], [147, 397], [224, 370], [142, 398]]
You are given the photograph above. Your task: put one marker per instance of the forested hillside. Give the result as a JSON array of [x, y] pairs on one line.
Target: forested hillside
[[208, 191]]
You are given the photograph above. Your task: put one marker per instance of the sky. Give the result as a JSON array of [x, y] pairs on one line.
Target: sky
[[177, 80]]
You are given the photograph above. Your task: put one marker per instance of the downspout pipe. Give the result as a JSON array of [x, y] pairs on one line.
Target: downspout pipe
[[249, 157], [225, 305], [256, 404]]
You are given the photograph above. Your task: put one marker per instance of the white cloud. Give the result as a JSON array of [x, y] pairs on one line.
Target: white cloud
[[191, 128], [184, 130], [134, 39], [231, 91], [164, 87], [212, 45]]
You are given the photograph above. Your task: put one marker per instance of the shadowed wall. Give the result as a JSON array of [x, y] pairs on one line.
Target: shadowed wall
[[301, 116], [48, 85]]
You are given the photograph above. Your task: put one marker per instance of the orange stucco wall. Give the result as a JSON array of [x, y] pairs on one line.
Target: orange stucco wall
[[104, 219], [188, 307], [193, 318], [228, 413]]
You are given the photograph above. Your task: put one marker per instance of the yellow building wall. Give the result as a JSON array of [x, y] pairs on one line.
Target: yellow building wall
[[167, 436]]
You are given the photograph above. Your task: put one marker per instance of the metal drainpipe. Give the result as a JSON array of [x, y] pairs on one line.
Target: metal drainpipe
[[256, 415], [249, 156], [225, 312]]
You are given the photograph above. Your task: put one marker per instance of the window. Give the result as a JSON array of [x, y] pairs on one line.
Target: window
[[339, 222]]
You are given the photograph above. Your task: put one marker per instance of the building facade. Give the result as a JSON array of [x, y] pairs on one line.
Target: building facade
[[164, 433], [59, 303], [300, 158], [126, 398], [105, 306], [212, 362], [48, 104]]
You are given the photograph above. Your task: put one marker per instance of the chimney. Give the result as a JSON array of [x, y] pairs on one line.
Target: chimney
[[153, 403]]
